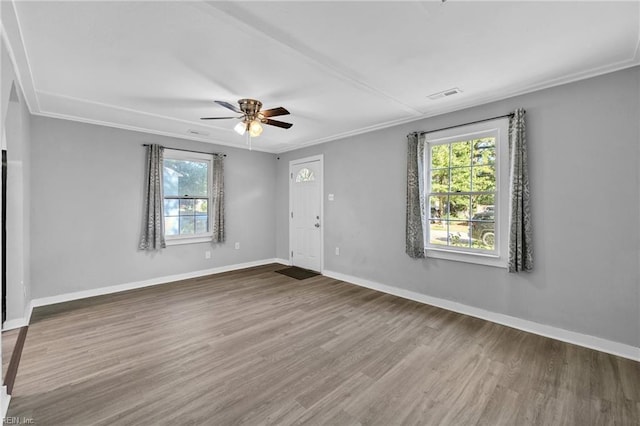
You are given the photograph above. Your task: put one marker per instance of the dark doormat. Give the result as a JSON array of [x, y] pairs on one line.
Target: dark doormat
[[297, 273]]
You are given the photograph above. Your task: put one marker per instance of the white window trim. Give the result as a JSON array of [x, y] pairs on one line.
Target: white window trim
[[173, 154], [499, 127]]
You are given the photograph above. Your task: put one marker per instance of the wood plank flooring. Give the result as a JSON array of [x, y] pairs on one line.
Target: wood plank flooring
[[11, 371], [255, 347], [9, 338]]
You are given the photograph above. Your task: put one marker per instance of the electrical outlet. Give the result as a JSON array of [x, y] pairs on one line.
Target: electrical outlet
[[207, 254], [337, 251], [237, 246]]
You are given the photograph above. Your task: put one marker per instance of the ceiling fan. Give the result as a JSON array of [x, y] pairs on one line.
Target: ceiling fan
[[252, 116]]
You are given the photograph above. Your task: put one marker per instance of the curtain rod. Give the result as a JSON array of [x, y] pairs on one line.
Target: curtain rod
[[190, 150], [466, 124]]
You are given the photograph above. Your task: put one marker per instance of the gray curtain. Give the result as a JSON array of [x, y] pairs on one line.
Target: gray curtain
[[218, 198], [416, 219], [152, 237], [520, 233]]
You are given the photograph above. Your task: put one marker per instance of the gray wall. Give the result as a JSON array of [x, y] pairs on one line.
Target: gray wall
[[16, 130], [584, 152], [87, 207]]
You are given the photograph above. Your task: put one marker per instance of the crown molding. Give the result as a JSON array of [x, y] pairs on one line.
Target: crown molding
[[11, 34]]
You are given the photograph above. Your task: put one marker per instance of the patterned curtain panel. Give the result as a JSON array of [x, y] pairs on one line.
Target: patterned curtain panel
[[152, 237], [415, 202], [218, 198], [520, 233]]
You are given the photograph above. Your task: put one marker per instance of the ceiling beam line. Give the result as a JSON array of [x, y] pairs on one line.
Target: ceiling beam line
[[252, 23]]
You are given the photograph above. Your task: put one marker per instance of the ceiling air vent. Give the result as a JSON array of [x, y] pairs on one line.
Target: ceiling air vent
[[197, 132], [445, 93]]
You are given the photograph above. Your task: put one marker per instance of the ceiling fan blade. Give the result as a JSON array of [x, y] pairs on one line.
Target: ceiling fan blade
[[229, 106], [277, 123], [217, 118], [274, 112]]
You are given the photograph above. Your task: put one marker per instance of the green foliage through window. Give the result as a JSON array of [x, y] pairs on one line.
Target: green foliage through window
[[461, 201], [186, 200]]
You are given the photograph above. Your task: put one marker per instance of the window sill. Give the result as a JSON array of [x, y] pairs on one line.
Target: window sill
[[190, 240], [460, 256]]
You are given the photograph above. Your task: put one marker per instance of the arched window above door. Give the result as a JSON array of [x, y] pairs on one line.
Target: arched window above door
[[305, 175]]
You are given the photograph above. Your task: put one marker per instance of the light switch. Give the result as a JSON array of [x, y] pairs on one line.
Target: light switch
[[330, 197]]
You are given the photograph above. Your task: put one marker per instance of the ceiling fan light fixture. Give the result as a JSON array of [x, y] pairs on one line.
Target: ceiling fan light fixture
[[255, 128], [252, 116], [240, 128]]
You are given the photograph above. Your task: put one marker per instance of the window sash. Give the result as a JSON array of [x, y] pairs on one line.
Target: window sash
[[440, 194], [187, 197], [428, 170], [176, 155]]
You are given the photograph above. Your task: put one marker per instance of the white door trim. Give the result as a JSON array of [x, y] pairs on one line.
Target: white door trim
[[292, 163]]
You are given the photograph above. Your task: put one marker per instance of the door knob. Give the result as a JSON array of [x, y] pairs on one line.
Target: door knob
[[317, 225]]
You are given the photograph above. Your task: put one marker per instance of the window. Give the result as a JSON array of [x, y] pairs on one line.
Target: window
[[305, 175], [466, 193], [187, 183]]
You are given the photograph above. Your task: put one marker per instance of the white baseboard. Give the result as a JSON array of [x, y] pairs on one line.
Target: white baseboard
[[282, 261], [14, 323], [43, 301], [19, 322], [585, 340], [4, 402]]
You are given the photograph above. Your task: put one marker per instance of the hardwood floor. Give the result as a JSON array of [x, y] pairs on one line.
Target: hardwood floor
[[11, 371], [9, 338], [257, 347]]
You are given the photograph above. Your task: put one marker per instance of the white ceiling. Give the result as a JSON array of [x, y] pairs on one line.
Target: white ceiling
[[340, 68]]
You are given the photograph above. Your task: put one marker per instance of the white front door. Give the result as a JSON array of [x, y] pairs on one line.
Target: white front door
[[306, 213]]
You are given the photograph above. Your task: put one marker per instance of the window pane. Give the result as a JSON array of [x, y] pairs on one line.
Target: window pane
[[187, 225], [201, 206], [461, 179], [483, 222], [185, 177], [484, 178], [483, 207], [484, 151], [461, 154], [171, 207], [483, 235], [202, 224], [170, 178], [439, 156], [440, 180], [186, 207], [459, 206], [438, 207], [438, 233], [459, 234], [171, 225]]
